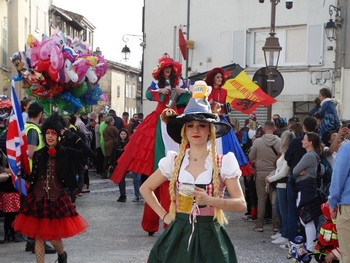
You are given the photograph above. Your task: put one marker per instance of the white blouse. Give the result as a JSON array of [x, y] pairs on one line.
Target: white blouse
[[229, 168]]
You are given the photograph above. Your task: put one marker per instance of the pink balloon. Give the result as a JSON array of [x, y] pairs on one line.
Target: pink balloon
[[81, 67], [56, 58], [101, 67], [45, 48], [34, 56]]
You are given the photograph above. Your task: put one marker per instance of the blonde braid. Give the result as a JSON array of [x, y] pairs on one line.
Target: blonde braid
[[177, 166], [218, 213]]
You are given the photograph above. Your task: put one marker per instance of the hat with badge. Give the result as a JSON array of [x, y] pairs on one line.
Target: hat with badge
[[197, 109], [164, 62]]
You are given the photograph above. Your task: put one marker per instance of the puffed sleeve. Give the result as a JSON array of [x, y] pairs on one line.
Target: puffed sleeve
[[230, 167], [166, 164]]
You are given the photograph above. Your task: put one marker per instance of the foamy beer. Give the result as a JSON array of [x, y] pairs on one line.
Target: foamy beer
[[200, 90], [185, 198]]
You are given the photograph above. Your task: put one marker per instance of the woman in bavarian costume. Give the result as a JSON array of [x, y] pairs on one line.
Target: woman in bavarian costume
[[47, 212], [151, 142], [196, 230], [229, 142]]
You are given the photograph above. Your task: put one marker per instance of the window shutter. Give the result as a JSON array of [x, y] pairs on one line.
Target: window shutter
[[315, 39], [239, 47]]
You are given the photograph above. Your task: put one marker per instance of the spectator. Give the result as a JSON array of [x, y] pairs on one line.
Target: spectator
[[245, 135], [308, 203], [118, 122], [263, 153], [122, 141], [327, 112], [339, 200], [297, 128], [317, 106], [110, 135], [24, 108], [280, 176], [99, 158], [293, 155], [125, 118], [9, 197]]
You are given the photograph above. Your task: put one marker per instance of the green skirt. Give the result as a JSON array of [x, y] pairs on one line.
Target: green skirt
[[209, 242]]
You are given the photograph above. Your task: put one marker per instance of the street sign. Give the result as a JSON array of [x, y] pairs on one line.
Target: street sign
[[260, 78]]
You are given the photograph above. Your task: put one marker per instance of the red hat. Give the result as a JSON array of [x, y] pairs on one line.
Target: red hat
[[252, 116], [164, 62], [209, 77]]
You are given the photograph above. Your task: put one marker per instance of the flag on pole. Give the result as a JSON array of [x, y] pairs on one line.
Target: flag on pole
[[242, 93], [16, 145]]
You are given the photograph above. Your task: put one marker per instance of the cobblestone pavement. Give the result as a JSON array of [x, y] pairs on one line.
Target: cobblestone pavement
[[115, 235]]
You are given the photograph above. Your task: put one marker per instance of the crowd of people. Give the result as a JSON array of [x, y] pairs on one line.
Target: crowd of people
[[183, 157]]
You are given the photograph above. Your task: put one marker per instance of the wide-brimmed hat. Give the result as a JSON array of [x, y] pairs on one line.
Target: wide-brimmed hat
[[164, 62], [197, 109]]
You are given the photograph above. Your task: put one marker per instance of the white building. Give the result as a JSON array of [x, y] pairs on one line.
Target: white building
[[234, 31]]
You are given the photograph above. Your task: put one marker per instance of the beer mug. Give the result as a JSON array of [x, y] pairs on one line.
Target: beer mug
[[173, 98], [185, 198]]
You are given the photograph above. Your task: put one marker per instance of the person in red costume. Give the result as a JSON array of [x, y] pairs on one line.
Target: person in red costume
[[327, 247], [228, 143], [151, 141]]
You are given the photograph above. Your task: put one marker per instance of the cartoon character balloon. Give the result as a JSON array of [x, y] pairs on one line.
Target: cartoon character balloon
[[298, 252]]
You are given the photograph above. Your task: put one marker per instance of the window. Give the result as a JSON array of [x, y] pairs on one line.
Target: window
[[301, 45], [133, 91], [37, 18], [25, 28], [292, 41], [4, 44], [45, 23], [301, 109], [118, 91]]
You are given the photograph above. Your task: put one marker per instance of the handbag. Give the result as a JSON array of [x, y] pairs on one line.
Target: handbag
[[310, 210], [3, 177]]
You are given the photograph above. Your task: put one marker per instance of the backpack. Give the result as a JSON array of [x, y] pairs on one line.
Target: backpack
[[320, 170], [320, 173]]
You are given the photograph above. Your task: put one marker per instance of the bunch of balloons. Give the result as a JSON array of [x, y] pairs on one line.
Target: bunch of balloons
[[61, 72]]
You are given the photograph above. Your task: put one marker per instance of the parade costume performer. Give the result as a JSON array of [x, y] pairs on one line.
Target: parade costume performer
[[327, 247], [47, 212], [195, 232], [228, 143], [150, 142]]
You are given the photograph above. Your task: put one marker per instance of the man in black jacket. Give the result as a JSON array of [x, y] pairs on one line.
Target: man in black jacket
[[118, 122]]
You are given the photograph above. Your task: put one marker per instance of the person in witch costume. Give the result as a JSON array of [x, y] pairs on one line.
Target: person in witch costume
[[47, 212], [198, 177], [151, 142]]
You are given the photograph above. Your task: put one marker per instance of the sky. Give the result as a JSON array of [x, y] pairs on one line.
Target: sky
[[112, 19]]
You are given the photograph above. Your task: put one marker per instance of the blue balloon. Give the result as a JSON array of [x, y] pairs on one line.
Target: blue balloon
[[17, 78], [69, 97]]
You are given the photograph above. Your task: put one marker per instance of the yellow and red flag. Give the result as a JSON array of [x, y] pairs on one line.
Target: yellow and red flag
[[242, 93]]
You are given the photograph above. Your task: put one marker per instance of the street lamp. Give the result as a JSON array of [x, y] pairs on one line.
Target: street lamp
[[126, 49], [331, 26], [272, 51]]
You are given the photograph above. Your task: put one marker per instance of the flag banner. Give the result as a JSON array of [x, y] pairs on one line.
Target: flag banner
[[242, 93], [16, 145], [182, 44]]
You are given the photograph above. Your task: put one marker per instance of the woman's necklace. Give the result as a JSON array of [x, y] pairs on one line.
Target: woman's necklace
[[196, 158]]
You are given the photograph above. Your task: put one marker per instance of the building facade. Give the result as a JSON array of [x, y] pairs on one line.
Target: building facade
[[226, 32]]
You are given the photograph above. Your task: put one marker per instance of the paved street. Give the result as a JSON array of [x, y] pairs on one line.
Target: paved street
[[115, 234]]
